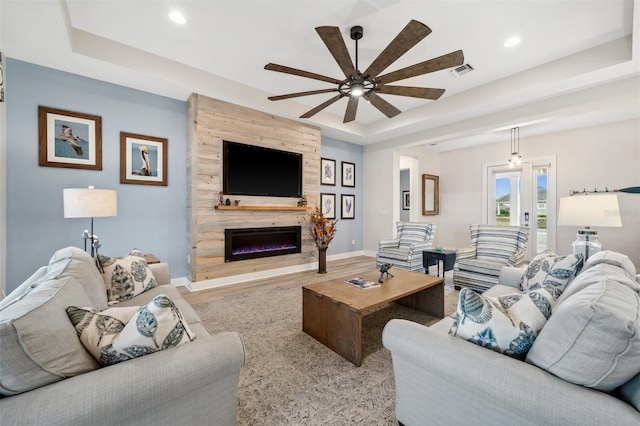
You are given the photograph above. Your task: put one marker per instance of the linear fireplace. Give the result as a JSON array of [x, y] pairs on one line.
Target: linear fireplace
[[252, 243]]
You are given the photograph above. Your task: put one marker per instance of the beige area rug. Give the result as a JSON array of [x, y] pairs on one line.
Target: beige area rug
[[292, 379]]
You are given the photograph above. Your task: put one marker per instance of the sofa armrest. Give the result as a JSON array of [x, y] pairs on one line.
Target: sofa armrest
[[119, 393], [468, 252], [161, 273], [517, 260], [511, 276], [418, 248], [395, 243], [451, 381]]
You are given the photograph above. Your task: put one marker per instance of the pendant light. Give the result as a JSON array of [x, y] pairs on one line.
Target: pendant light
[[516, 158]]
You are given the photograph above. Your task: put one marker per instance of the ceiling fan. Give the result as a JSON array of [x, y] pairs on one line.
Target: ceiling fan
[[369, 84]]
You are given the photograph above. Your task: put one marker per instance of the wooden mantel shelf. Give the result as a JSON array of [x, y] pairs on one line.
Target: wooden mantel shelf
[[271, 208]]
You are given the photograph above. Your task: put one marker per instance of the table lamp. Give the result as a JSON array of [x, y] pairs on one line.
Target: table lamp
[[90, 202], [589, 210]]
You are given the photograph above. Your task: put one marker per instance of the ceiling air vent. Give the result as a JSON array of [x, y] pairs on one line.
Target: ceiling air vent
[[461, 70]]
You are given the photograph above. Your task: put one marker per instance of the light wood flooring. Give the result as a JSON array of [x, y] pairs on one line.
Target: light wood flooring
[[335, 268]]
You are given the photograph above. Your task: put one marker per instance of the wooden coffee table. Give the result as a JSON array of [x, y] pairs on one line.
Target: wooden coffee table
[[332, 310]]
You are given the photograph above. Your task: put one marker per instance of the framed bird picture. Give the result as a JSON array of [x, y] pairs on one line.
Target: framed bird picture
[[143, 159], [69, 139]]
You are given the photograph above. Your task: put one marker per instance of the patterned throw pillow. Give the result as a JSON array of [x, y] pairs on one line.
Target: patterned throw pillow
[[550, 270], [125, 277], [119, 334], [507, 324]]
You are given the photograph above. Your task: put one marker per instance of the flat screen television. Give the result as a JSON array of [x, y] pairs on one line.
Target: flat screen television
[[256, 170]]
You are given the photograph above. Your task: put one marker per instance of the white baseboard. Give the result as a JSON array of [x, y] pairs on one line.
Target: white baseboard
[[237, 279]]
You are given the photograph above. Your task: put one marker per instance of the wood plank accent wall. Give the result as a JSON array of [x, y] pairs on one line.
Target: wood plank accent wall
[[211, 121]]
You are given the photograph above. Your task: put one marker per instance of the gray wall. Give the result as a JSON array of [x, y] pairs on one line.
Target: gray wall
[[150, 218], [348, 237]]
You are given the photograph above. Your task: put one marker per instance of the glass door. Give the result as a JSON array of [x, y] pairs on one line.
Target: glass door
[[523, 196]]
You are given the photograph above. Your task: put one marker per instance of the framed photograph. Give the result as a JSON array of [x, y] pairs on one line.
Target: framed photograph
[[348, 174], [348, 206], [328, 205], [327, 171], [69, 139], [406, 200], [143, 159]]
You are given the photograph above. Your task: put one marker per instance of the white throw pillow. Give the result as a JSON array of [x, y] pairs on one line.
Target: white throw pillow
[[125, 277], [118, 334], [548, 269], [507, 324]]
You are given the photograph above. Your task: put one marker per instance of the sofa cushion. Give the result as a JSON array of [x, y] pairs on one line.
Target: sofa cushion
[[508, 324], [609, 257], [118, 334], [550, 270], [39, 345], [630, 391], [593, 336], [479, 266], [497, 244], [413, 233], [125, 277]]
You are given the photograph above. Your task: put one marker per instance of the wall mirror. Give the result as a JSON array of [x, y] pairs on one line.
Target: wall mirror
[[430, 195]]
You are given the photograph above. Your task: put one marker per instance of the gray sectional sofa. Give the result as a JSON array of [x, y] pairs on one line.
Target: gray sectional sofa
[[583, 367], [47, 377]]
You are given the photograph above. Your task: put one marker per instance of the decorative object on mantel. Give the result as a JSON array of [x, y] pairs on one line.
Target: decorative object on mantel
[[629, 189], [384, 269], [322, 230], [516, 158], [587, 211], [303, 201]]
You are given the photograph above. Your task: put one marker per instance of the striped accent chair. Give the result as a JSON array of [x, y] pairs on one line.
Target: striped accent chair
[[405, 250], [492, 247]]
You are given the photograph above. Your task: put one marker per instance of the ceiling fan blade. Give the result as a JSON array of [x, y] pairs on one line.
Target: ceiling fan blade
[[414, 92], [352, 107], [301, 73], [405, 40], [298, 94], [449, 60], [320, 107], [385, 107], [334, 41]]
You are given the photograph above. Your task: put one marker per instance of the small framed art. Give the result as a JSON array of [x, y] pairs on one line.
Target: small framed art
[[69, 139], [328, 205], [327, 171], [143, 159], [406, 200], [348, 203], [348, 174]]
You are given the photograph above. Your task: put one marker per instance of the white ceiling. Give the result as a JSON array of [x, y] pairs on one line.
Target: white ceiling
[[577, 64]]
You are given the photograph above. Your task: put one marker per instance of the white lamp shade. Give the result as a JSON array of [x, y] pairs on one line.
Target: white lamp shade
[[590, 210], [90, 202]]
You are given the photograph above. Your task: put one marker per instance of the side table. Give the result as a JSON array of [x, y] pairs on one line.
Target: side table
[[448, 258], [150, 258]]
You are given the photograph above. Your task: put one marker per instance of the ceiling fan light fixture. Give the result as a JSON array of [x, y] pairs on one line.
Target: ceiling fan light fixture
[[357, 90]]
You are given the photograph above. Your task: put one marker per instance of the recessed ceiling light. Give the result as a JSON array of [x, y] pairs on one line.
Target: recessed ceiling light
[[177, 17], [512, 41]]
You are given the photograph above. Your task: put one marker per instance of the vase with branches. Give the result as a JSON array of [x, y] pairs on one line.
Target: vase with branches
[[322, 230]]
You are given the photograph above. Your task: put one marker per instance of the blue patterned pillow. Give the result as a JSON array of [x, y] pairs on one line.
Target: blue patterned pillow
[[507, 324], [118, 334], [125, 277], [548, 269]]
